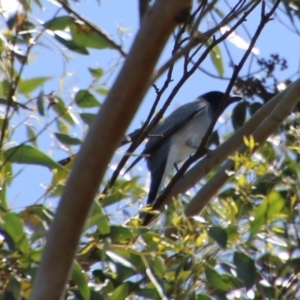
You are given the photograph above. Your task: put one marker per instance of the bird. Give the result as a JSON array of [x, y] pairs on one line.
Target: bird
[[179, 135]]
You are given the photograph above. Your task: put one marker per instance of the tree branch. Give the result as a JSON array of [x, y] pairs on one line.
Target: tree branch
[[97, 150], [288, 100], [101, 33], [143, 6]]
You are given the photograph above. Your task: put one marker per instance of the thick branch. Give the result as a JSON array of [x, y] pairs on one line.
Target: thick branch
[[288, 101], [102, 140]]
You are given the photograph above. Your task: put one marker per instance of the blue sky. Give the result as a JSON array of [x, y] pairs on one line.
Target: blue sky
[[111, 15]]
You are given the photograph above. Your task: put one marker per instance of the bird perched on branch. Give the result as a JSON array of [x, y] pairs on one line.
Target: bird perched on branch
[[179, 136]]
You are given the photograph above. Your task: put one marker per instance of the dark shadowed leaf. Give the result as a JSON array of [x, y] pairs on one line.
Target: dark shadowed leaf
[[40, 103], [254, 107], [245, 267], [87, 118], [215, 280], [239, 115], [203, 297], [219, 235]]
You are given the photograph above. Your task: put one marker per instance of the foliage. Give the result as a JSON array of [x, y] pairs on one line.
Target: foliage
[[245, 244]]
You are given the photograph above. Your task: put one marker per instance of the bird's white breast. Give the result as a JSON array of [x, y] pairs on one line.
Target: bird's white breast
[[191, 134]]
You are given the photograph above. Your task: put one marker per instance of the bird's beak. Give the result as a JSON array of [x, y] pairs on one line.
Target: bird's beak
[[233, 99]]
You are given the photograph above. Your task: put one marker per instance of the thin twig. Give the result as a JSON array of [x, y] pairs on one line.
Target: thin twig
[[102, 34]]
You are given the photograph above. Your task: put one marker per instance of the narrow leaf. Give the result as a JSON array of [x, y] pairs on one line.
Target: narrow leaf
[[29, 85], [66, 139], [13, 226], [31, 135], [270, 206], [26, 154], [40, 103], [59, 23], [87, 36], [60, 108], [119, 259], [216, 57], [79, 278], [239, 115], [70, 44]]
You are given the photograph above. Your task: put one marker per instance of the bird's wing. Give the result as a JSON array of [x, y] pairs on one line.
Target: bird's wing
[[170, 125], [174, 122], [158, 164]]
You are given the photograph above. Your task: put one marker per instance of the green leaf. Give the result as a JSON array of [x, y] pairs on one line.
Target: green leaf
[[80, 279], [62, 126], [59, 23], [215, 280], [3, 198], [99, 219], [246, 270], [13, 289], [29, 85], [85, 99], [25, 154], [96, 72], [121, 292], [87, 36], [31, 135], [269, 208], [4, 88], [87, 118], [70, 44], [116, 258], [40, 103], [60, 108], [103, 90], [158, 267], [216, 57], [203, 297], [219, 235], [13, 226], [66, 139], [120, 233]]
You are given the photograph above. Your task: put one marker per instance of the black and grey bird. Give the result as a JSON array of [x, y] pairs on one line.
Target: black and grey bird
[[179, 136]]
